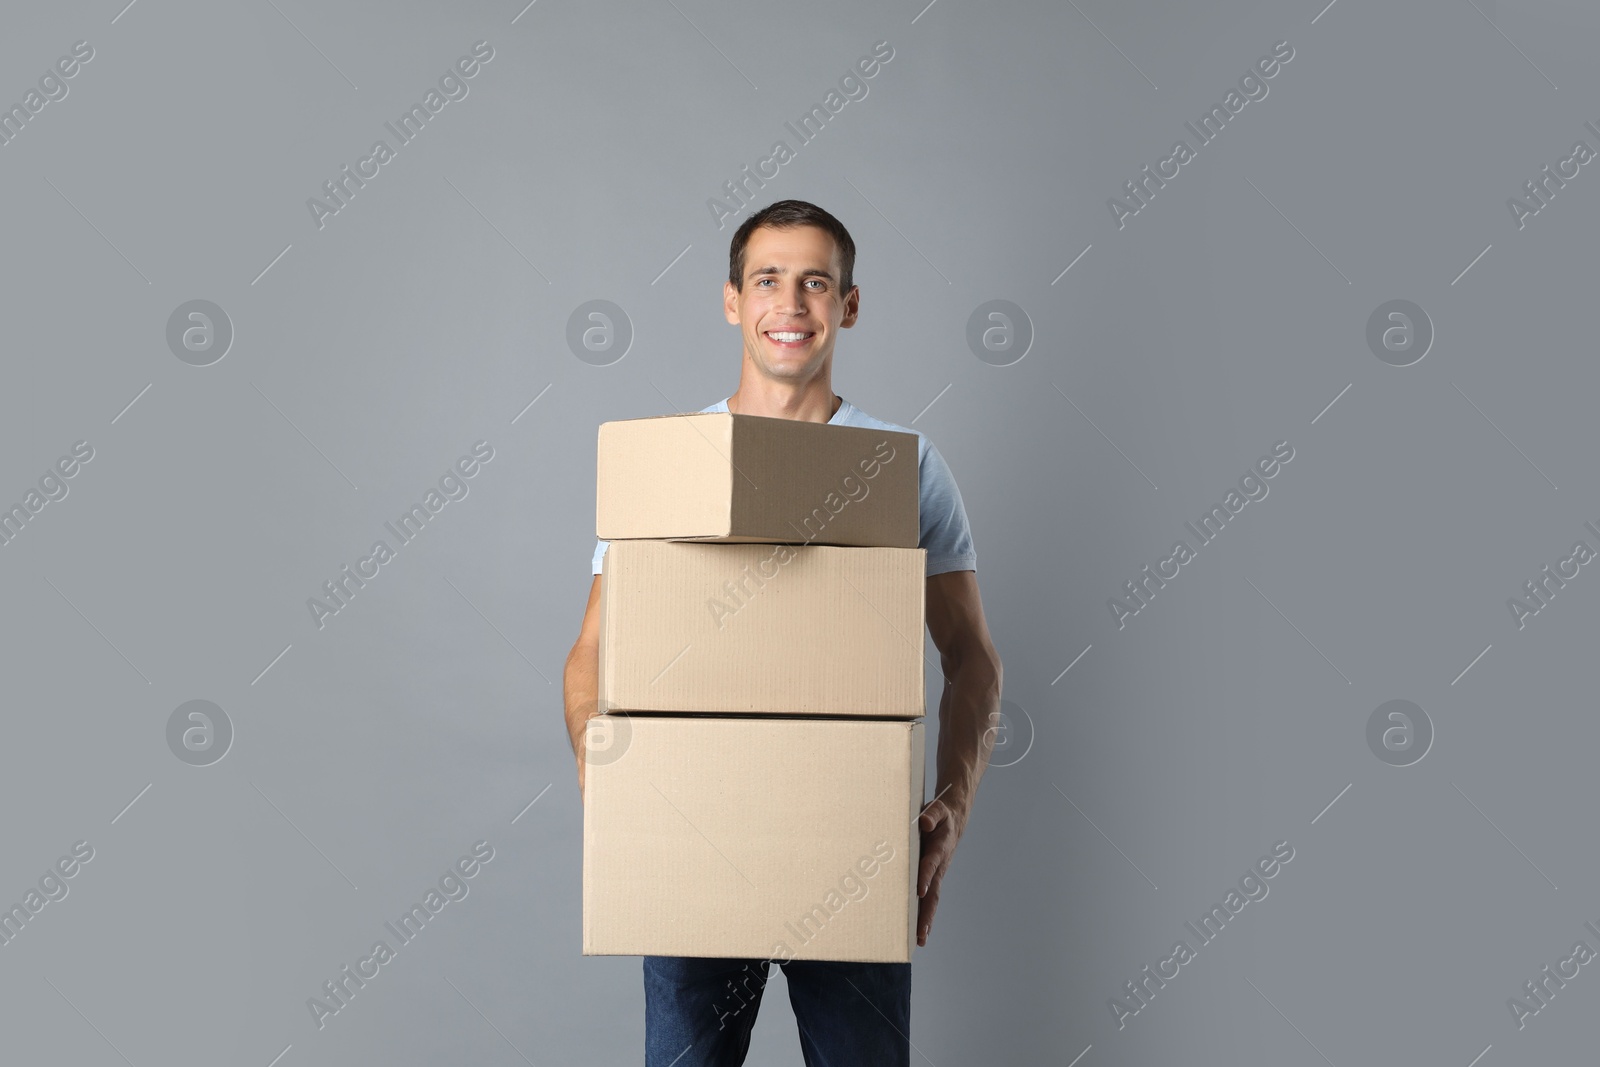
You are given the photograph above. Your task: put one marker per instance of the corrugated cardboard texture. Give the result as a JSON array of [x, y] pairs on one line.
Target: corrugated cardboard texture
[[747, 478], [752, 837], [703, 628]]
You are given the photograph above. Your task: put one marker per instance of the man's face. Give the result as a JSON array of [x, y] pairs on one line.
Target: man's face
[[791, 286]]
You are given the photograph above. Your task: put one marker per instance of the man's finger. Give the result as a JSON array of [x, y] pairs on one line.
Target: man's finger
[[925, 910], [934, 858]]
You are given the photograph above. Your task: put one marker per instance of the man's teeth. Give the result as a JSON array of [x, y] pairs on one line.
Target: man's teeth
[[776, 336]]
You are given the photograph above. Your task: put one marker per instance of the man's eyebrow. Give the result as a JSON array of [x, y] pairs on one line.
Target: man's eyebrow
[[808, 272]]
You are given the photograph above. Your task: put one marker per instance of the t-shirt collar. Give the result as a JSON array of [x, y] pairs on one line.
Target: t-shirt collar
[[838, 416]]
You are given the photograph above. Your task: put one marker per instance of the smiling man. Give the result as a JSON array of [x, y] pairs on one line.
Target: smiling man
[[790, 292]]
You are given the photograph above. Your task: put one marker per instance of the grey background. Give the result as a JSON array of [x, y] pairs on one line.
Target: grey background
[[1229, 314]]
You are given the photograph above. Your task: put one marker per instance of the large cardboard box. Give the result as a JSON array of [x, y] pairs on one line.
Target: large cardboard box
[[762, 629], [717, 476], [766, 838]]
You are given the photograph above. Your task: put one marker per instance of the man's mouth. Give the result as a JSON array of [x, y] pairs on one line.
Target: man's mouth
[[789, 338]]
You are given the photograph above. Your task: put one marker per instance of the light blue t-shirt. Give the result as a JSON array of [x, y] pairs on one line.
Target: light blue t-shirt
[[942, 518]]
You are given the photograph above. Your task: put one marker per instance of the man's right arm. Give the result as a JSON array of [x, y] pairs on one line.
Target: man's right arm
[[581, 682]]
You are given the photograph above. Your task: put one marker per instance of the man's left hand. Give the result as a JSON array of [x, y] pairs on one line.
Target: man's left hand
[[941, 824]]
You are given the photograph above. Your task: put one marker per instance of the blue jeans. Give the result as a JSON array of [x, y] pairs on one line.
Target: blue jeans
[[698, 1011]]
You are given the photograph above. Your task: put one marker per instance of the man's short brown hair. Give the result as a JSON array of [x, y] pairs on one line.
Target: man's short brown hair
[[785, 215]]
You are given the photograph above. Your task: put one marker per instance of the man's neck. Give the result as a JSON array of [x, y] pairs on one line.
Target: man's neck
[[810, 407]]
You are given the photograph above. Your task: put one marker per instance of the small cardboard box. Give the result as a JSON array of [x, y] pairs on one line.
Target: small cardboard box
[[762, 629], [716, 476], [767, 838]]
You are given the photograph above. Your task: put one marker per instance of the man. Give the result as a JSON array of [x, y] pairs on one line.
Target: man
[[789, 291]]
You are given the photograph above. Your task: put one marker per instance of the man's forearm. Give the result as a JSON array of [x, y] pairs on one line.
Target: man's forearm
[[580, 692], [968, 710]]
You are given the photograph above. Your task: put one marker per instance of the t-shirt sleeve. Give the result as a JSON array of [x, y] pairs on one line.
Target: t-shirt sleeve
[[599, 554], [945, 532]]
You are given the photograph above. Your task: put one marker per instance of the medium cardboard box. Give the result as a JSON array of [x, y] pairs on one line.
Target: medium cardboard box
[[762, 629], [717, 476], [766, 838]]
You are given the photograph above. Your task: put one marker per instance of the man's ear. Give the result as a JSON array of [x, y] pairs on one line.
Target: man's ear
[[730, 305], [852, 307]]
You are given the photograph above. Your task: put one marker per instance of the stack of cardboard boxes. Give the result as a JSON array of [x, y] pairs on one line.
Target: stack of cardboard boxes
[[753, 781]]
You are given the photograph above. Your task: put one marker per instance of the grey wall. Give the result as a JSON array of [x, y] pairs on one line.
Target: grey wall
[[368, 353]]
